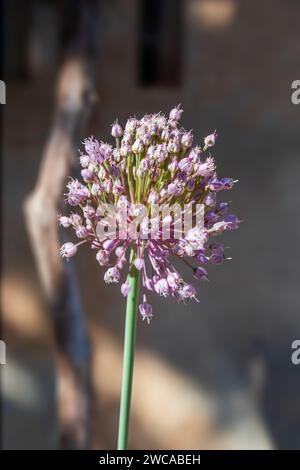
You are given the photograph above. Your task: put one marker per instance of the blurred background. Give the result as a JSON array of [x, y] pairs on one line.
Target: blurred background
[[213, 375]]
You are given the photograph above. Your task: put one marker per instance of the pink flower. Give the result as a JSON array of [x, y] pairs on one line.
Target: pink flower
[[68, 250], [146, 310], [125, 288], [153, 163], [210, 140], [116, 130]]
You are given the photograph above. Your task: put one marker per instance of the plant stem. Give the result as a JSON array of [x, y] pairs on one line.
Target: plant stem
[[128, 357]]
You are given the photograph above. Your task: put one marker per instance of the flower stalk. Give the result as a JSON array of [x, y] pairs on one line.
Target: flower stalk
[[128, 357]]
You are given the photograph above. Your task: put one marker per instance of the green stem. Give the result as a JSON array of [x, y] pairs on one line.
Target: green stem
[[128, 357]]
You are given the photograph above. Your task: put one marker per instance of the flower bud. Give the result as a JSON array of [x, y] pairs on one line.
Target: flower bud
[[200, 273], [84, 161], [139, 263], [116, 130], [175, 113], [137, 146], [64, 221], [146, 310], [210, 140], [187, 139], [81, 231], [125, 288], [68, 250], [87, 174], [102, 257]]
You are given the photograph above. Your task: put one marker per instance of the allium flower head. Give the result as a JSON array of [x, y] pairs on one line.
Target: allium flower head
[[157, 193]]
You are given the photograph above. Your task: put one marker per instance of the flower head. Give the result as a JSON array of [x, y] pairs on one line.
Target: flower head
[[155, 192]]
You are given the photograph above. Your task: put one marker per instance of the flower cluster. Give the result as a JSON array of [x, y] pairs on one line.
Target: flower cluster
[[152, 164]]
